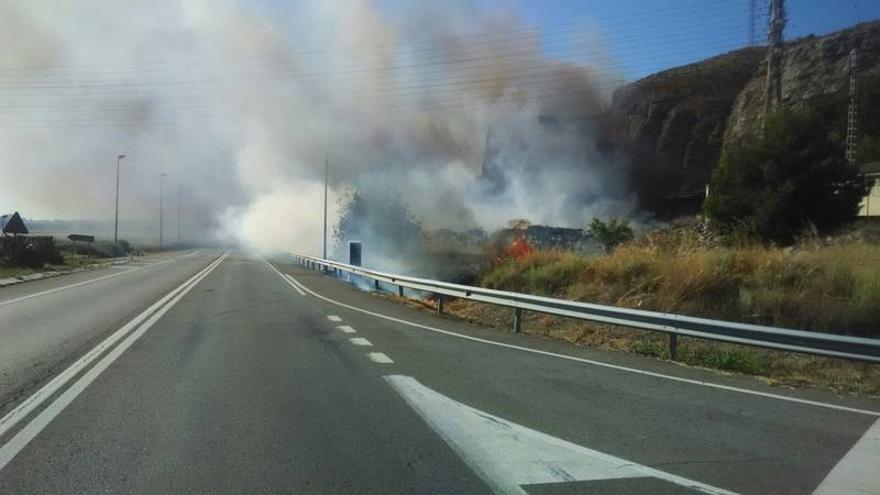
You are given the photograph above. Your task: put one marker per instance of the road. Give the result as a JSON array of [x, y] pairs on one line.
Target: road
[[47, 322], [222, 374]]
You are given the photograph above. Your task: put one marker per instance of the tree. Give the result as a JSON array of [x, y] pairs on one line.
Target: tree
[[382, 220], [869, 125], [793, 174], [612, 233]]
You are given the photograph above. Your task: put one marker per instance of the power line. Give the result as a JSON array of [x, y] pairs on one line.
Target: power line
[[597, 84], [667, 30], [435, 41], [517, 76], [138, 99], [471, 61], [499, 106], [526, 69]]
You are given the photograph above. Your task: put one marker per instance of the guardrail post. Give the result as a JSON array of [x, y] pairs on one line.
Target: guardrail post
[[400, 290], [673, 346], [517, 320], [376, 285], [441, 299]]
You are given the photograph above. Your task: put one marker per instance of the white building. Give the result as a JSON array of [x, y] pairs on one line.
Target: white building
[[870, 205]]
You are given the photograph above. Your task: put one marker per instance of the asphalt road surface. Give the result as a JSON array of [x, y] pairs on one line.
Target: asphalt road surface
[[209, 372]]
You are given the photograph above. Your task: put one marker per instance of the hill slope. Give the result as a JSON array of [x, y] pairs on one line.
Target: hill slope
[[675, 123]]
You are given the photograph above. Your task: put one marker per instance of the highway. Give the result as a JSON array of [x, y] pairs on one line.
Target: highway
[[211, 372]]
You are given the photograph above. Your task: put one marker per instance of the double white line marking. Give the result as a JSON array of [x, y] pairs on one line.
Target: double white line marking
[[131, 331], [287, 278]]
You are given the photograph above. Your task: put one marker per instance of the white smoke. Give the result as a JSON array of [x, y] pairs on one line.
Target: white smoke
[[242, 102]]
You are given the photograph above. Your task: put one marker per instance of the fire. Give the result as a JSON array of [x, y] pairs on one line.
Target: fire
[[519, 247]]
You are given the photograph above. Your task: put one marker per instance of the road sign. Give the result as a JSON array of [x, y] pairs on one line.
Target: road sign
[[81, 238], [13, 224]]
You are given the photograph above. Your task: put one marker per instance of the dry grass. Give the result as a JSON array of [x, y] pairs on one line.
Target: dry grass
[[832, 288]]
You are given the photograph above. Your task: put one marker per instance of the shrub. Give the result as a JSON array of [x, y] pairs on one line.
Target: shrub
[[792, 175], [611, 234], [38, 250]]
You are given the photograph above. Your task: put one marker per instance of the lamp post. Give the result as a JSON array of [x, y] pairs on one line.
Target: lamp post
[[178, 216], [324, 241], [116, 218], [161, 205]]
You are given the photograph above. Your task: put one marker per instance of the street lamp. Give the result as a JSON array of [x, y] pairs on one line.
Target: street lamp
[[116, 220], [161, 205], [178, 215], [324, 240]]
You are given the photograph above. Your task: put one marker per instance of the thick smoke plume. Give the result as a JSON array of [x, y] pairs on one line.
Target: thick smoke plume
[[242, 102]]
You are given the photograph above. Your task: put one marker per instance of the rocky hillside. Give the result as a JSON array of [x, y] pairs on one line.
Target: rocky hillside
[[676, 122]]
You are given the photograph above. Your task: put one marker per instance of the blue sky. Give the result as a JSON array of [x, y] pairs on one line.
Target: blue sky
[[640, 37]]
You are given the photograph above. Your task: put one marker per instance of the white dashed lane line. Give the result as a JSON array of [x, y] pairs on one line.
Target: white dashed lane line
[[334, 318], [361, 341], [346, 329], [380, 357]]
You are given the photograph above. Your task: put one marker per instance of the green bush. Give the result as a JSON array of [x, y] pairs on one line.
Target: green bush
[[611, 234], [793, 174], [35, 251]]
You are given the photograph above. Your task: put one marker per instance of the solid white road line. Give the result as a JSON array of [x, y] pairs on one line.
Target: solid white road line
[[334, 318], [679, 379], [506, 455], [287, 279], [70, 286], [90, 281], [345, 329], [380, 357], [37, 398], [857, 471], [361, 341]]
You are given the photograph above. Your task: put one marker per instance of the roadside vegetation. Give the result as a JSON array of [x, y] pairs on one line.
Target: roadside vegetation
[[776, 244], [794, 174], [824, 284], [822, 288], [35, 254]]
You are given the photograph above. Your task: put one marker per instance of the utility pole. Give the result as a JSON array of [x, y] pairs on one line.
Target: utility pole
[[161, 206], [178, 215], [326, 172], [773, 91], [852, 116], [116, 217]]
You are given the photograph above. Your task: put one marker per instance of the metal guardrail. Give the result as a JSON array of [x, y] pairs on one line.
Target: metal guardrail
[[822, 344]]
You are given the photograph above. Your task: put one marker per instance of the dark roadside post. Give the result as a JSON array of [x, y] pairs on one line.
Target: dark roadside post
[[517, 320], [673, 346], [354, 256]]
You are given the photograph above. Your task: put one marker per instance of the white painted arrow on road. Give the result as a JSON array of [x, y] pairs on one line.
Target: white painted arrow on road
[[506, 455]]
